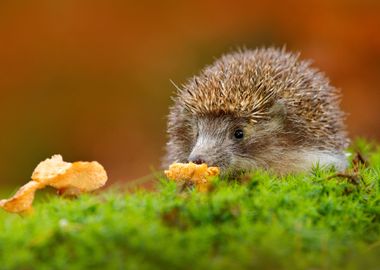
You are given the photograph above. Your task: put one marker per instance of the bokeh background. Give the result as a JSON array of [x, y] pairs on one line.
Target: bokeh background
[[91, 79]]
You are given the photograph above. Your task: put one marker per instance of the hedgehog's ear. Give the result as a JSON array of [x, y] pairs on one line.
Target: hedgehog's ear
[[278, 110]]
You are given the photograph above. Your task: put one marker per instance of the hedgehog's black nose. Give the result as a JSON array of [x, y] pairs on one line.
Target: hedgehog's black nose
[[197, 160]]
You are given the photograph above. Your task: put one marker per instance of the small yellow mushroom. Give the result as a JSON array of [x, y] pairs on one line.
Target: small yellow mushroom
[[192, 173]]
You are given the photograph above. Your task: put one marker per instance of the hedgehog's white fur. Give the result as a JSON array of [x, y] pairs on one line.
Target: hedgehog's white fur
[[299, 161], [323, 159]]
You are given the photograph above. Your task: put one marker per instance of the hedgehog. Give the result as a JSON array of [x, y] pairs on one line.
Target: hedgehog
[[258, 109]]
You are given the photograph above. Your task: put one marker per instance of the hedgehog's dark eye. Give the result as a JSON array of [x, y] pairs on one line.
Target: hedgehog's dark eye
[[239, 134]]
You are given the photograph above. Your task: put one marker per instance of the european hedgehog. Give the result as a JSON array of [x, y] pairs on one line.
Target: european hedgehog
[[262, 108]]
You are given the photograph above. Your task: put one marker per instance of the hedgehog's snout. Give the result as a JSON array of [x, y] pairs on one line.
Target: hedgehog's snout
[[197, 160], [198, 156], [207, 149], [209, 157]]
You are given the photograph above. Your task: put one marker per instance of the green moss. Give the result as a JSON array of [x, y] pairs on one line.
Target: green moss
[[296, 222]]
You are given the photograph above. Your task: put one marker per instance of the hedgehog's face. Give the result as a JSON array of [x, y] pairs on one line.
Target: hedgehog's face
[[234, 144], [216, 139], [221, 141]]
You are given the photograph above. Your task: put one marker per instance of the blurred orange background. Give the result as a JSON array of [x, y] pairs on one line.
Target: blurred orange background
[[91, 79]]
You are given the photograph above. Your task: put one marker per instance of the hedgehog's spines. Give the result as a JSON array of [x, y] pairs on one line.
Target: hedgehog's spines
[[247, 83]]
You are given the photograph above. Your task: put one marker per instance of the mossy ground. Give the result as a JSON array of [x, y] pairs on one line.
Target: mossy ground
[[310, 221]]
